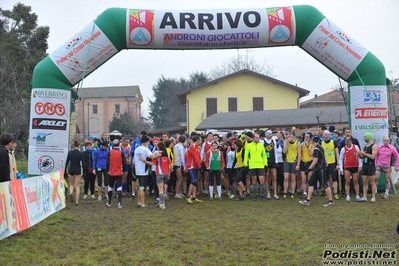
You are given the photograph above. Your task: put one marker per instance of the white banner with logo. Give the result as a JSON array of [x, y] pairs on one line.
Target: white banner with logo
[[369, 112], [86, 51], [49, 130], [26, 202], [210, 29], [334, 48]]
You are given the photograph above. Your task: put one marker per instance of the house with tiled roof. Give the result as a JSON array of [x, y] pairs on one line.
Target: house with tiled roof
[[330, 99], [96, 107], [242, 91]]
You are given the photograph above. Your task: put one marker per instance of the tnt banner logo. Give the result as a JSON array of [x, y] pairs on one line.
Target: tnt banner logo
[[281, 25], [141, 28], [359, 254]]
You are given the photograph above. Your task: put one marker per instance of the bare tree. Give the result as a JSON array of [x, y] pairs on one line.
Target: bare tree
[[236, 64]]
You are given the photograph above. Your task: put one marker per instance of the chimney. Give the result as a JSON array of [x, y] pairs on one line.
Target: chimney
[[315, 95]]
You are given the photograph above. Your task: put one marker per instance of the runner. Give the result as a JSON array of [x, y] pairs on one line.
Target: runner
[[271, 171], [332, 156], [350, 164], [75, 161], [116, 161], [383, 160], [100, 163], [193, 164], [163, 165], [292, 151], [319, 167], [368, 171], [214, 162], [306, 161], [255, 159]]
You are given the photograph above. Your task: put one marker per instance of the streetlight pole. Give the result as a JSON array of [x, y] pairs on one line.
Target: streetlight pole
[[88, 120], [390, 106]]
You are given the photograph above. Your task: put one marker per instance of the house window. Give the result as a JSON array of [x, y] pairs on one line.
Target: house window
[[232, 104], [257, 103], [117, 108], [95, 109], [211, 106]]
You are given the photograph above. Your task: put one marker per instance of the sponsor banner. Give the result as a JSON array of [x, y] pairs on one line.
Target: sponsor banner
[[86, 51], [369, 112], [49, 130], [334, 48], [26, 202], [210, 29]]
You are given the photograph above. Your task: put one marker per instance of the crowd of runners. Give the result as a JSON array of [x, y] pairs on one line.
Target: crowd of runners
[[254, 165]]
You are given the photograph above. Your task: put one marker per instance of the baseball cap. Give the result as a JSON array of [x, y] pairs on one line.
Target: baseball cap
[[268, 132], [115, 142]]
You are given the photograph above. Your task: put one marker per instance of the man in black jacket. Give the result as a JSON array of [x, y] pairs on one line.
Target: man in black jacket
[[5, 142]]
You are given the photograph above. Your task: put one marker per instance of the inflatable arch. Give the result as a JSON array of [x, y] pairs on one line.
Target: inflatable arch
[[120, 28]]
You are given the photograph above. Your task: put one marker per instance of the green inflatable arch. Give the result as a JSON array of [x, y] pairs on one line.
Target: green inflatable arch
[[120, 28]]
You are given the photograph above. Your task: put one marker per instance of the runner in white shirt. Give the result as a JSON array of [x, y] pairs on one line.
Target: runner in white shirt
[[143, 157], [178, 165]]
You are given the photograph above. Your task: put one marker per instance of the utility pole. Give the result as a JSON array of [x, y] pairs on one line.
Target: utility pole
[[88, 119]]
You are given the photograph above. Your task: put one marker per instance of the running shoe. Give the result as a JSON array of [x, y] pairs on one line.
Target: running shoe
[[162, 206], [85, 196], [232, 196], [305, 202], [292, 196], [211, 198], [197, 200], [276, 197], [93, 196], [178, 196], [386, 195], [108, 204], [189, 201], [216, 196], [220, 197], [372, 200], [358, 199], [120, 205], [336, 196], [99, 198], [348, 198], [363, 199], [229, 194], [240, 198], [329, 204], [77, 203]]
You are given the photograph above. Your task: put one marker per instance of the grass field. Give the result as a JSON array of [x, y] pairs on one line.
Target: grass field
[[225, 232]]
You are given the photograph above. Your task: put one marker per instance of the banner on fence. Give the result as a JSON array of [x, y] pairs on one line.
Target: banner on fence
[[26, 202]]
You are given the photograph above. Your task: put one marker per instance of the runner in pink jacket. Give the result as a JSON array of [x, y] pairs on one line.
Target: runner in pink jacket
[[383, 163]]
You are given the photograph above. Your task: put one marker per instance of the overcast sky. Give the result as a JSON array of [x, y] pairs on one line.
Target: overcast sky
[[373, 24]]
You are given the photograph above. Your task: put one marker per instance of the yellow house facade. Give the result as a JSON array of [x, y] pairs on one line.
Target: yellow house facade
[[239, 92]]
